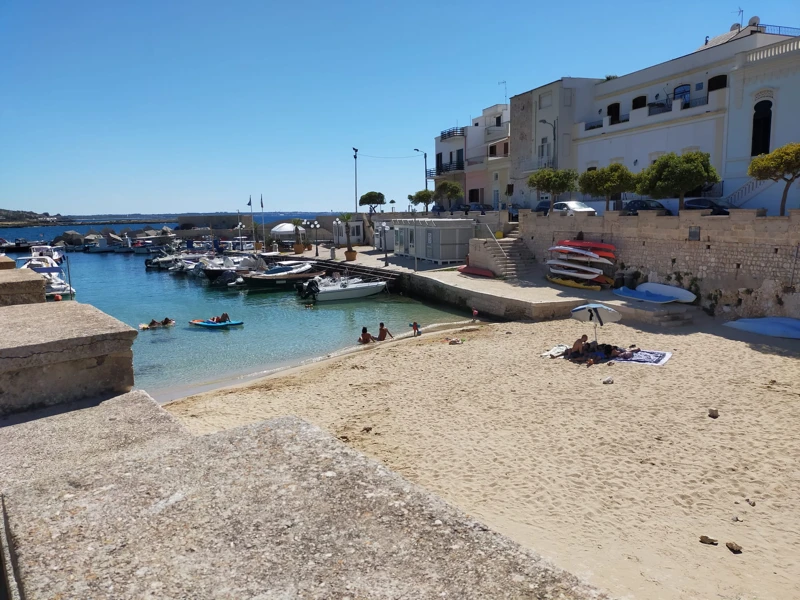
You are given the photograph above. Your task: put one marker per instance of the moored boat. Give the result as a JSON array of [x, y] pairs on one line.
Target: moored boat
[[342, 289]]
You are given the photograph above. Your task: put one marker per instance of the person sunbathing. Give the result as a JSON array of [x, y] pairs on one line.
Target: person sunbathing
[[578, 348], [223, 318], [624, 353]]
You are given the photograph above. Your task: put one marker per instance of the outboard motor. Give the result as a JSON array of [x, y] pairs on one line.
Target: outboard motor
[[226, 278]]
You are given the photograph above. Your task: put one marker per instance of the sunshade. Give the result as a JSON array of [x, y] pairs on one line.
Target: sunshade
[[599, 314]]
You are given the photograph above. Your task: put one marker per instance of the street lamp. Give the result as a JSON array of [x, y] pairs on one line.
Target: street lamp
[[355, 161], [425, 156], [385, 230], [414, 212], [336, 223], [555, 141], [315, 227]]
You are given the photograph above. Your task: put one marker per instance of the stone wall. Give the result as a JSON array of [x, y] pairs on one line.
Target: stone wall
[[21, 286], [745, 264]]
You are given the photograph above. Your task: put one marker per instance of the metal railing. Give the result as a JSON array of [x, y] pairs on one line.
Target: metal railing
[[701, 101], [456, 165], [624, 118], [484, 232], [593, 125], [779, 30], [475, 160], [657, 109], [452, 132]]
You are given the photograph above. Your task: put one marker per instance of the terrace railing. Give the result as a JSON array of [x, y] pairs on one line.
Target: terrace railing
[[593, 125], [453, 132]]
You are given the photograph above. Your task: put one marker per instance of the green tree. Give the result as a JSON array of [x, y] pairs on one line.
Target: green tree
[[346, 218], [372, 199], [782, 164], [448, 190], [424, 197], [672, 175], [605, 182], [297, 223], [553, 182]]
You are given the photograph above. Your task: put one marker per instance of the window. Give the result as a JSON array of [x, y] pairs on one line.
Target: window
[[357, 230], [682, 93], [498, 120], [718, 82], [510, 189], [613, 113], [505, 149], [639, 102], [496, 177], [410, 237], [451, 156], [493, 150], [476, 124], [544, 149], [438, 161], [545, 100], [762, 124], [460, 156], [474, 196], [592, 169], [698, 86]]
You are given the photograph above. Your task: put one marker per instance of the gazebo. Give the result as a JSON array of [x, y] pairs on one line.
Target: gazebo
[[285, 232]]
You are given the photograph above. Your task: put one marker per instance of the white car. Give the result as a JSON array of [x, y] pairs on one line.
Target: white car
[[571, 207]]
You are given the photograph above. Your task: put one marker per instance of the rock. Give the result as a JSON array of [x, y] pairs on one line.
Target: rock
[[608, 380], [713, 413], [366, 430], [704, 539], [734, 547], [737, 519], [750, 502]]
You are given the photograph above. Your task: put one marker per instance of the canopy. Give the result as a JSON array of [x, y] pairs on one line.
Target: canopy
[[599, 314], [285, 228]]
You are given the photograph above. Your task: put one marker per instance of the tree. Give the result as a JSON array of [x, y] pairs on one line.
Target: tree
[[782, 164], [372, 199], [346, 218], [296, 223], [422, 197], [553, 182], [605, 182], [672, 175], [448, 190]]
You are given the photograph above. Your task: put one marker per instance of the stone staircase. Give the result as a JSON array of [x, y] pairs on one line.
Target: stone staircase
[[511, 255]]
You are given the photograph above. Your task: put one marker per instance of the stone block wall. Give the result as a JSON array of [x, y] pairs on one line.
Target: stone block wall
[[745, 264], [21, 286]]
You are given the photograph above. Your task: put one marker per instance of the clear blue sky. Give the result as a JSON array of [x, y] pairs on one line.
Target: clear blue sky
[[155, 106]]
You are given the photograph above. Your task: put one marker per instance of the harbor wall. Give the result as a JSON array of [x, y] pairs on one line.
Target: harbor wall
[[21, 286], [744, 265]]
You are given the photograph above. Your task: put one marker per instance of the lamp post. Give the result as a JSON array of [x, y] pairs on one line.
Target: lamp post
[[355, 162], [555, 141], [414, 212], [315, 227], [424, 156], [336, 223], [385, 231]]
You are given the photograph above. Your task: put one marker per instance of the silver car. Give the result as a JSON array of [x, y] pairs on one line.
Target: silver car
[[570, 207]]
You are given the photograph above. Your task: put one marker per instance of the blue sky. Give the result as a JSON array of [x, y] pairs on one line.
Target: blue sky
[[155, 106]]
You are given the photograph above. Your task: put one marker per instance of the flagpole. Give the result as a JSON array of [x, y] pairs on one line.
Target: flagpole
[[239, 228], [263, 225], [252, 220]]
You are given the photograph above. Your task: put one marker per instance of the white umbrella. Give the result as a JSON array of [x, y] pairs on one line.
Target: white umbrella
[[599, 314]]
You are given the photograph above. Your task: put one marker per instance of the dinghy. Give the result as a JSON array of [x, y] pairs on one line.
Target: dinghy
[[643, 296], [781, 327], [680, 294], [213, 325]]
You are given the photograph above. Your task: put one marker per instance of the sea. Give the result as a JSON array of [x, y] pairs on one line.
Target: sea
[[279, 331]]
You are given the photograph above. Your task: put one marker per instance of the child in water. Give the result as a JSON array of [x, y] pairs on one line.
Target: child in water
[[415, 326]]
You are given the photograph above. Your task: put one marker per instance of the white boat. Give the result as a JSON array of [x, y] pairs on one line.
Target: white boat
[[565, 264], [100, 246], [578, 254], [344, 289], [52, 272], [51, 251], [680, 294]]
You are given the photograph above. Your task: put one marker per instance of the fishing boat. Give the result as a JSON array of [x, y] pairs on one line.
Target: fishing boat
[[343, 289], [55, 284]]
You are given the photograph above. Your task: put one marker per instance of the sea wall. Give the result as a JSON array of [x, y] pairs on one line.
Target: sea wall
[[743, 265], [52, 353], [21, 286]]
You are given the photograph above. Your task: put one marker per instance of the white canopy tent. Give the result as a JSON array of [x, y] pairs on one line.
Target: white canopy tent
[[285, 232]]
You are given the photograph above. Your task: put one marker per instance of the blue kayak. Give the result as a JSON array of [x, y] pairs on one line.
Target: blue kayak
[[782, 327], [643, 296], [208, 323]]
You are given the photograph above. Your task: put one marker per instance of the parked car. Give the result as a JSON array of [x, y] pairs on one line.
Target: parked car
[[513, 211], [573, 206], [634, 206], [478, 207], [542, 207], [459, 207], [705, 204], [437, 209]]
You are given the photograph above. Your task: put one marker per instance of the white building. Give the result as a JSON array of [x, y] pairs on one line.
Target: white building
[[702, 101]]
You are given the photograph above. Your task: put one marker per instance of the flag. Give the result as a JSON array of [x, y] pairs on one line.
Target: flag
[[250, 202], [262, 200]]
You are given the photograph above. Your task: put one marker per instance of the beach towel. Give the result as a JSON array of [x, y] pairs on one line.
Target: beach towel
[[556, 351], [647, 357]]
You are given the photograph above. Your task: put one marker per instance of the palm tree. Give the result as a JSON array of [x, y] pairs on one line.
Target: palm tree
[[297, 223], [346, 218]]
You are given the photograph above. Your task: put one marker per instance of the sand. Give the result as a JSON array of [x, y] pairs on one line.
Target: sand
[[615, 483]]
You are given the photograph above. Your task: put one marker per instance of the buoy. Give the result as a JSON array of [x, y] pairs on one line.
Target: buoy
[[57, 298]]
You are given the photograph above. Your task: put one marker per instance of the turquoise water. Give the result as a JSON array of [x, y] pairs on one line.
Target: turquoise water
[[278, 329]]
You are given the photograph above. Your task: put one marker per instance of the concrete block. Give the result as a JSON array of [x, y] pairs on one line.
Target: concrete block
[[53, 353], [21, 286], [6, 262]]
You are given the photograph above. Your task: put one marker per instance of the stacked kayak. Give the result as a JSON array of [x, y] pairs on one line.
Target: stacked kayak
[[579, 264]]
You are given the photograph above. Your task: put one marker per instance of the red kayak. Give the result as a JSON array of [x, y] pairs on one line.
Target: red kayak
[[588, 245]]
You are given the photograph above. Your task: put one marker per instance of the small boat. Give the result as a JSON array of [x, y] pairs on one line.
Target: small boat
[[281, 277], [680, 294], [45, 250], [573, 284], [562, 267], [643, 296], [213, 325], [587, 245], [581, 255], [18, 245], [781, 327], [53, 274], [344, 289]]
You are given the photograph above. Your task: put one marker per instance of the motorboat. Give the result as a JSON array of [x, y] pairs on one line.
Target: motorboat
[[167, 261], [100, 246], [342, 289], [282, 276], [237, 264], [18, 245], [51, 251], [53, 274], [146, 247]]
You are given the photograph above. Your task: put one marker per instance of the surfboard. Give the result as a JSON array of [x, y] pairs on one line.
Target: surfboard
[[582, 267], [782, 327], [642, 296], [681, 294]]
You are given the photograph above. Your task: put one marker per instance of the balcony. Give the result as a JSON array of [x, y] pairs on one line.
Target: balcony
[[656, 108], [593, 125], [492, 133], [543, 162], [701, 101], [453, 132], [444, 168]]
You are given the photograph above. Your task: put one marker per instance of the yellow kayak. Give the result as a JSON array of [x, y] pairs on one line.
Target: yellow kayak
[[572, 284]]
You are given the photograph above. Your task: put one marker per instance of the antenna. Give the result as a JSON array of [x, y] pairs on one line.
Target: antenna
[[505, 89], [740, 14]]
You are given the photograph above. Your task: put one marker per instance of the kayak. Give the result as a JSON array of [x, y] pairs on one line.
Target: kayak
[[207, 323], [782, 327], [604, 279], [587, 245], [643, 296], [667, 290], [573, 284]]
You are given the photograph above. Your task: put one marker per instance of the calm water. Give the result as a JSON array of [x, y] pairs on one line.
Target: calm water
[[278, 329]]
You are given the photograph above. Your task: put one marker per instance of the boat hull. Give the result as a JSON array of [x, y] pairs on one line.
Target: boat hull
[[211, 325], [573, 284], [277, 283], [351, 292]]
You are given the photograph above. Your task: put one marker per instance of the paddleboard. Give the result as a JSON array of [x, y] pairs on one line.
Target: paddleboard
[[206, 323], [630, 294], [573, 284], [782, 327], [572, 273], [587, 245], [668, 290], [584, 268]]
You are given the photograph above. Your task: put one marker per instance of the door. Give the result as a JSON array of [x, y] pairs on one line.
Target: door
[[460, 159], [496, 199], [429, 245]]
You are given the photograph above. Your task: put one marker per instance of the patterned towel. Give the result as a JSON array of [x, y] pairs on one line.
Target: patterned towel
[[647, 357]]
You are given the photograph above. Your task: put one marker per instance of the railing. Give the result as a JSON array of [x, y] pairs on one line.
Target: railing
[[624, 118], [483, 231], [740, 196], [499, 155], [475, 160], [593, 125], [457, 165], [774, 50], [452, 132], [657, 109], [493, 132], [701, 101], [779, 30]]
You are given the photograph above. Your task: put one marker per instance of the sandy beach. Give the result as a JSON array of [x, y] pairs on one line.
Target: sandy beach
[[615, 483]]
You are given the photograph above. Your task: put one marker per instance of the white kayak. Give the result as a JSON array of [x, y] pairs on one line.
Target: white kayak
[[573, 265], [680, 294], [571, 250]]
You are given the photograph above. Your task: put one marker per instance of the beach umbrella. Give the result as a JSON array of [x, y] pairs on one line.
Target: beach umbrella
[[598, 314]]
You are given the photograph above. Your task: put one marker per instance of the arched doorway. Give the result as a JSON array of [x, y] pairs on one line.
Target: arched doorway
[[762, 126]]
